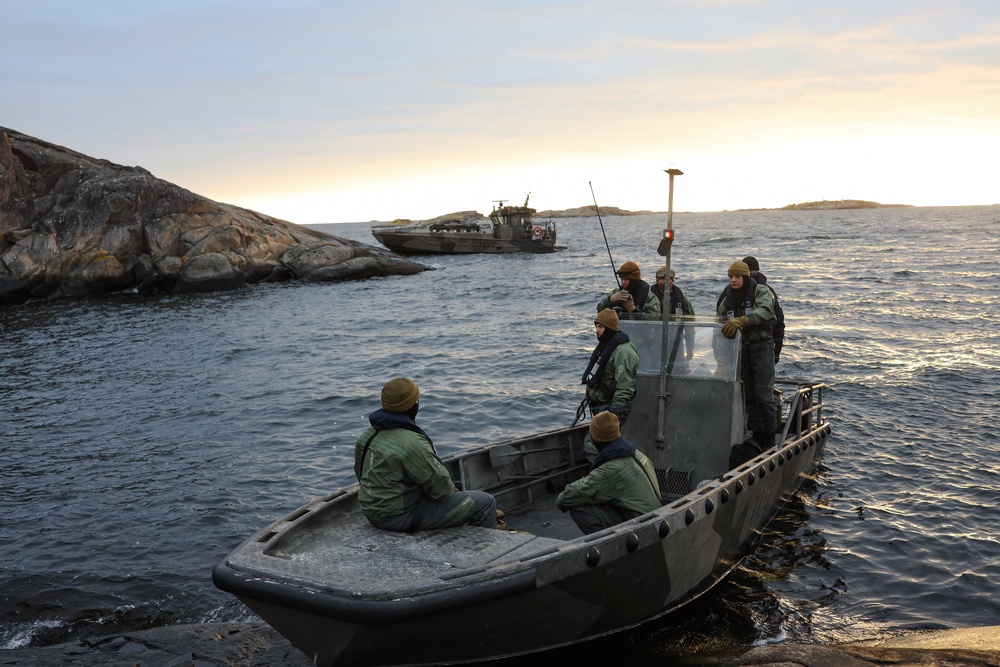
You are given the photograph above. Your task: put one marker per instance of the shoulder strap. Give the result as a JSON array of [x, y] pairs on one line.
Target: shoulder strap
[[646, 473], [640, 299], [364, 454]]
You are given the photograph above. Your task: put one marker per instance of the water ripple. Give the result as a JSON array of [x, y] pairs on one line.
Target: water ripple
[[144, 438]]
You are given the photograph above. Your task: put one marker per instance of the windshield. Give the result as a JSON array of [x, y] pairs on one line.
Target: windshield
[[698, 348]]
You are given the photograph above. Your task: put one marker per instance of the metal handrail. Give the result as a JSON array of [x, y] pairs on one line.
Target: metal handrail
[[797, 408]]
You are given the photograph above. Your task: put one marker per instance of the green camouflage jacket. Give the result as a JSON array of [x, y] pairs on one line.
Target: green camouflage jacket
[[628, 482], [396, 460]]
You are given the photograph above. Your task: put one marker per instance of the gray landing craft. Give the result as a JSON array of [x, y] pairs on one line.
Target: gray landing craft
[[509, 229], [346, 593]]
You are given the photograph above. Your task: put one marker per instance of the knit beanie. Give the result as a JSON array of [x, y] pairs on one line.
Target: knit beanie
[[739, 269], [605, 427], [399, 395], [608, 318], [751, 263], [662, 272], [630, 270]]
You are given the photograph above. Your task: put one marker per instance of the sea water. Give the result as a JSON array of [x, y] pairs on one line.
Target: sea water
[[145, 437]]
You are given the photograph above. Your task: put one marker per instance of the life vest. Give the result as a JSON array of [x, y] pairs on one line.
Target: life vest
[[641, 294], [677, 301], [734, 309], [602, 355]]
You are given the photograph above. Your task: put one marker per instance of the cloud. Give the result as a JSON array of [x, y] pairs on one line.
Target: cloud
[[294, 101]]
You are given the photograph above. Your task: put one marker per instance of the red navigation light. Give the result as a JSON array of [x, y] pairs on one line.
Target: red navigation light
[[664, 247]]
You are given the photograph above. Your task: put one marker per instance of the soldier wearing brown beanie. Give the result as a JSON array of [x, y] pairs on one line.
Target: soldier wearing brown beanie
[[634, 297], [404, 485], [748, 307], [610, 373], [620, 485]]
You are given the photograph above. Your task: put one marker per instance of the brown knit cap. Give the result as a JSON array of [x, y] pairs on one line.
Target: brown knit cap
[[739, 269], [399, 395], [630, 270], [608, 318], [605, 427]]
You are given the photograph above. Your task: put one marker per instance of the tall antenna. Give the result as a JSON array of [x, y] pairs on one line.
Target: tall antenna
[[597, 208]]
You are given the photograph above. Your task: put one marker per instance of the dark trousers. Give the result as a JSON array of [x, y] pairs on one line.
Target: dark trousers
[[592, 518], [758, 387], [476, 508]]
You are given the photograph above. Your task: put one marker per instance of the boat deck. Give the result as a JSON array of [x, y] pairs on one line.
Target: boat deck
[[543, 519], [370, 561]]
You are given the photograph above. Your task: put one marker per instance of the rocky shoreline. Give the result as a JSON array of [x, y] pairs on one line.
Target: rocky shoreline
[[73, 225], [257, 645]]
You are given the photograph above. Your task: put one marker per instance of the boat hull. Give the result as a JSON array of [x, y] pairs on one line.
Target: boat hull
[[455, 243], [580, 590]]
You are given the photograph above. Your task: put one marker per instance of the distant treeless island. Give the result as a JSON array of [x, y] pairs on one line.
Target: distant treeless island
[[590, 211], [825, 205]]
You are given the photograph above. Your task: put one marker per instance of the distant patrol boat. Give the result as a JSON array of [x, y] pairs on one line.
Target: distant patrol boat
[[509, 229]]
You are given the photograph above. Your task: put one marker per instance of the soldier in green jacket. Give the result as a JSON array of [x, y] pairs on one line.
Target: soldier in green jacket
[[610, 373], [634, 299], [748, 307], [404, 485], [620, 485], [677, 304]]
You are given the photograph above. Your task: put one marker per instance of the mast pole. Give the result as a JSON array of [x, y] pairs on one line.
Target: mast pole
[[665, 361]]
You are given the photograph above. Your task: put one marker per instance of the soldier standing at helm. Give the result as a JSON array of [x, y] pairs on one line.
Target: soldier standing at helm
[[634, 297], [748, 307], [677, 305], [778, 331], [610, 373]]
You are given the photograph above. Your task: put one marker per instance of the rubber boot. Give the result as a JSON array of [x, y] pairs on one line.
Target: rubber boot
[[764, 439]]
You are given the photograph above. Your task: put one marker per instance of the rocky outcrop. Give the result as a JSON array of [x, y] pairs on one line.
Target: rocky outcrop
[[825, 205], [72, 225], [459, 216], [588, 212]]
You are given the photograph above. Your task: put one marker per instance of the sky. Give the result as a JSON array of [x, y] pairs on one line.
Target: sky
[[349, 111]]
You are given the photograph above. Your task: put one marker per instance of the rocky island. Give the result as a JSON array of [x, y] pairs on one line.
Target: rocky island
[[590, 211], [825, 205], [72, 225]]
